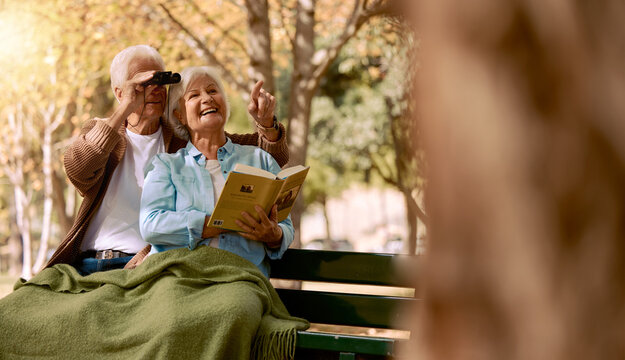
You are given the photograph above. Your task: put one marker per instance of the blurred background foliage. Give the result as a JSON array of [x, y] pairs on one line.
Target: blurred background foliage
[[349, 69]]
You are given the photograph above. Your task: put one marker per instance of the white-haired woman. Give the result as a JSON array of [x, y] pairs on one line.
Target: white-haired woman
[[181, 189]]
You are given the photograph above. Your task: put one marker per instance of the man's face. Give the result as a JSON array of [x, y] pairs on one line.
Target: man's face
[[155, 97]]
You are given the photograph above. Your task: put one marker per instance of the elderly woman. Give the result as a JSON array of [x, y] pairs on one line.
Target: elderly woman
[[181, 189]]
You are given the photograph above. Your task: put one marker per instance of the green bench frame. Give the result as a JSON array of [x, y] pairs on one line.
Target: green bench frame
[[373, 311]]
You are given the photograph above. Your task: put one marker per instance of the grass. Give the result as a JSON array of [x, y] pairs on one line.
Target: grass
[[6, 284]]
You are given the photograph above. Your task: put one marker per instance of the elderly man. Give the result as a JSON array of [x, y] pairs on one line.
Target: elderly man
[[105, 163]]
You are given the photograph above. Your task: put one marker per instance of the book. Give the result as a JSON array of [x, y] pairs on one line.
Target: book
[[247, 186]]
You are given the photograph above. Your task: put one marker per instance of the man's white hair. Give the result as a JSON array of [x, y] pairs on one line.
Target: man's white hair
[[176, 92], [121, 61]]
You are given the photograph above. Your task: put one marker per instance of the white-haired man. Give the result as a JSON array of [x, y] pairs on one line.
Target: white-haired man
[[105, 163]]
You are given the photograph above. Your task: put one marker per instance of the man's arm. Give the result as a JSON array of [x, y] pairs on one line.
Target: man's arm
[[269, 138], [278, 148], [86, 158]]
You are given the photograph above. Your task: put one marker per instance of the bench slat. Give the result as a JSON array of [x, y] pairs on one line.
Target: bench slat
[[345, 343], [344, 309], [338, 266]]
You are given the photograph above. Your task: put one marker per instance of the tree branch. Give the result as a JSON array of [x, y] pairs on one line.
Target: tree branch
[[387, 178], [326, 56], [323, 58], [283, 24], [206, 52], [58, 119], [225, 32], [241, 7], [378, 7]]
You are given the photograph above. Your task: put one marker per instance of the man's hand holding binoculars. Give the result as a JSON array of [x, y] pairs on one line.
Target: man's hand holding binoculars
[[132, 93]]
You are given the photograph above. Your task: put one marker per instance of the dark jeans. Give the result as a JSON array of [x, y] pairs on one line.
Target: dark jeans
[[88, 266]]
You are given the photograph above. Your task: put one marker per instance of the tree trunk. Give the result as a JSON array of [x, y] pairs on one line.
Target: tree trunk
[[300, 98], [411, 217], [23, 225], [302, 83], [15, 243], [259, 44], [328, 239], [64, 202], [15, 154], [405, 177], [48, 189]]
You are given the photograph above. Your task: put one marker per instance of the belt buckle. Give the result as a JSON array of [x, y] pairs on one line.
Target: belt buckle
[[107, 254]]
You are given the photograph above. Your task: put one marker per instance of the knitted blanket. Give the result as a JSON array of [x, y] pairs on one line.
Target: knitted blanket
[[178, 304]]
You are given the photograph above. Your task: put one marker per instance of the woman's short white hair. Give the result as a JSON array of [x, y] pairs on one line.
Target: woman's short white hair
[[176, 91], [121, 61]]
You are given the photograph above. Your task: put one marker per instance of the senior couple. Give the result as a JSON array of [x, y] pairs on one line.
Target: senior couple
[[192, 155], [201, 292]]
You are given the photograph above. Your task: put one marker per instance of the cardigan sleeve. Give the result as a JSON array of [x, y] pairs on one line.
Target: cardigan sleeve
[[279, 149], [86, 158]]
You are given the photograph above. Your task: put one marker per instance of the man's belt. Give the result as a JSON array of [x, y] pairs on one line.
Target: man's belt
[[104, 254]]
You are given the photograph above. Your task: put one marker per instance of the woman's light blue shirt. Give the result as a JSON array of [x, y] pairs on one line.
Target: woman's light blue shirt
[[178, 195]]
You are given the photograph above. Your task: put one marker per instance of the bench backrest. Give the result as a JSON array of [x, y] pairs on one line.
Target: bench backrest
[[376, 311]]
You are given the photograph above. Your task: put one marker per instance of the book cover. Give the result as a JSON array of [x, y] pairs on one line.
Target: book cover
[[247, 186]]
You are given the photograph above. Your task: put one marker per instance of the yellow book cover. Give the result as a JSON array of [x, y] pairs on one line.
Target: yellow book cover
[[247, 186]]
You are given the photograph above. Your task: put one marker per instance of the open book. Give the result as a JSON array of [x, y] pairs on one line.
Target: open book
[[247, 186]]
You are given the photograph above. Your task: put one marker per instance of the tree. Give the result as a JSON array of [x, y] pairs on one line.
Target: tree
[[406, 171], [13, 157], [329, 174], [363, 121], [43, 122]]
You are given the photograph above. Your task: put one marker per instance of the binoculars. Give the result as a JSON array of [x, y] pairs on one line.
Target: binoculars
[[163, 78]]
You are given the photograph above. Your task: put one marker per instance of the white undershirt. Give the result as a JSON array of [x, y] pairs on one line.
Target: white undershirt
[[116, 224], [214, 168]]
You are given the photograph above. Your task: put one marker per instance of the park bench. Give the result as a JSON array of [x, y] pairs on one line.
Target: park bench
[[344, 308]]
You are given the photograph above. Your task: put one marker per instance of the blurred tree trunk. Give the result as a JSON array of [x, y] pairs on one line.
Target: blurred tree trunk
[[326, 220], [259, 43], [309, 67], [301, 94], [412, 214], [13, 158], [64, 202], [22, 220], [405, 170], [15, 243], [52, 118], [522, 121]]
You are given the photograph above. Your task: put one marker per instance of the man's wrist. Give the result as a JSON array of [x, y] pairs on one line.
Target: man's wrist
[[274, 126]]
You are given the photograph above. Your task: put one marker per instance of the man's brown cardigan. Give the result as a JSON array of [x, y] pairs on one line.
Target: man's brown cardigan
[[91, 159]]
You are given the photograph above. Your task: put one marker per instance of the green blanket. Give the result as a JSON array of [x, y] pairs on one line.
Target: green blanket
[[179, 304]]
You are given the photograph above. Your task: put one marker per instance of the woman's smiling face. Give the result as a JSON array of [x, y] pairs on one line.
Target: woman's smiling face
[[204, 105]]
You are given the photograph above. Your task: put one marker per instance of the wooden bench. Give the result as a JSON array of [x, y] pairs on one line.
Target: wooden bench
[[340, 308]]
